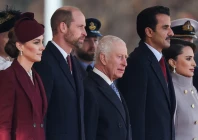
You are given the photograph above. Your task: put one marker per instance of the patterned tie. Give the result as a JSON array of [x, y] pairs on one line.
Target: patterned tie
[[115, 89], [163, 67], [89, 68], [69, 62]]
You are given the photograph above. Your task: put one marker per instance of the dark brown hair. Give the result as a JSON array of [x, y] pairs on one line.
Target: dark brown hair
[[60, 16], [10, 47]]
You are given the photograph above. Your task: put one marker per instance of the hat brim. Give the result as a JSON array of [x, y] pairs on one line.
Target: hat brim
[[193, 36], [89, 34]]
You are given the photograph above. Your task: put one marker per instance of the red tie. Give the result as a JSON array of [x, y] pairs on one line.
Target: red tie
[[69, 62], [163, 67]]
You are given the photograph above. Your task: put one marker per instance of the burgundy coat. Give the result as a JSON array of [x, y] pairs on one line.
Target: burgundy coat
[[21, 109]]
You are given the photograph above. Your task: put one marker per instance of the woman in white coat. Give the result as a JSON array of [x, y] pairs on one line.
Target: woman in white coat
[[180, 57]]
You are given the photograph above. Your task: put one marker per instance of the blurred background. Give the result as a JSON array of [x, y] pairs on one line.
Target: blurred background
[[118, 17]]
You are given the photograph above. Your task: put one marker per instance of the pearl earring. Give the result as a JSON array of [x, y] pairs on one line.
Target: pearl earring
[[174, 71]]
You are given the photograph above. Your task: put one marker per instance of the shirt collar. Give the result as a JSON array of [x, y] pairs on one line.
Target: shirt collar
[[60, 49], [101, 74], [85, 65], [157, 54]]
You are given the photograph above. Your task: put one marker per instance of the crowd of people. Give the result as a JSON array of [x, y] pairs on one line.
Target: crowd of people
[[84, 86]]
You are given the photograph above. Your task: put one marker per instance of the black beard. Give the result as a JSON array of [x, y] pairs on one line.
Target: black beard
[[84, 56]]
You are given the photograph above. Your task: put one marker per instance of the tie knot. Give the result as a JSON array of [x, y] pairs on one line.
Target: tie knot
[[89, 68], [162, 59]]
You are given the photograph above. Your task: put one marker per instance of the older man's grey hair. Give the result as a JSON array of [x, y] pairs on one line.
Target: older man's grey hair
[[105, 46]]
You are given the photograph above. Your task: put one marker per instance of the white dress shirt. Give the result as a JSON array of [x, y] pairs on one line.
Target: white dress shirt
[[101, 74], [157, 54]]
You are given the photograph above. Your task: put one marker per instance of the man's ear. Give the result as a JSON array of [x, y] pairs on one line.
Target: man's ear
[[103, 58], [149, 32], [63, 27]]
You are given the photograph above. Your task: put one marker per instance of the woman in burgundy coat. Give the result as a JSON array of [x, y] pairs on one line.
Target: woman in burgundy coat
[[23, 101]]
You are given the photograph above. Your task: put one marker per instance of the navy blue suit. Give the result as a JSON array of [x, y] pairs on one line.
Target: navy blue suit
[[150, 99], [64, 119], [106, 117], [82, 71]]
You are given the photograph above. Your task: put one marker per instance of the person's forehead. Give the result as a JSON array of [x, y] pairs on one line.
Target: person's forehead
[[76, 14], [163, 17]]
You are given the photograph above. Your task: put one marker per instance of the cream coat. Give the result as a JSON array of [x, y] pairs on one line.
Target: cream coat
[[186, 115]]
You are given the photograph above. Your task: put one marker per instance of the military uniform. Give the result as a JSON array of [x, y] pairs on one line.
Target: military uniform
[[186, 115], [92, 28], [184, 28]]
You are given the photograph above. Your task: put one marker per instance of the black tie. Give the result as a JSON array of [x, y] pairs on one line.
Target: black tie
[[89, 68]]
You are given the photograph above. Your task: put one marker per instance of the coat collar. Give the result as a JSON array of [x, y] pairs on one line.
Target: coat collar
[[108, 92], [22, 77], [62, 62], [157, 69]]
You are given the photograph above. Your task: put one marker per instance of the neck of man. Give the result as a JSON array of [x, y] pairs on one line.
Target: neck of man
[[103, 70], [158, 48], [61, 43]]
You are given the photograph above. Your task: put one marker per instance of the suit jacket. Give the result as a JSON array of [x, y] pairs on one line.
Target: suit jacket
[[150, 100], [20, 117], [82, 71], [186, 112], [106, 117], [64, 119]]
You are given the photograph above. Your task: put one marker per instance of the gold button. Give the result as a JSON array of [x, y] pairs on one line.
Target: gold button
[[185, 91], [196, 122], [193, 106]]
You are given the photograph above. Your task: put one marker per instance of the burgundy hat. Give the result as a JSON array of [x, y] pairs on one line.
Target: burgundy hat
[[27, 28]]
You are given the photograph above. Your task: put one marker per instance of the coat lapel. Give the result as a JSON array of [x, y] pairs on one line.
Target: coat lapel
[[108, 92], [62, 62], [42, 92], [77, 76], [157, 69], [79, 91], [127, 118], [22, 77]]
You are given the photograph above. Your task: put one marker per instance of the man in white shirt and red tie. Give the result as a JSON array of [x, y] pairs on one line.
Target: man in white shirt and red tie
[[146, 83]]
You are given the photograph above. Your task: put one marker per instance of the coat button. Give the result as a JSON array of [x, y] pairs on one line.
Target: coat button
[[185, 91], [120, 125], [196, 122], [194, 138], [192, 91], [41, 125], [193, 106], [34, 125]]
